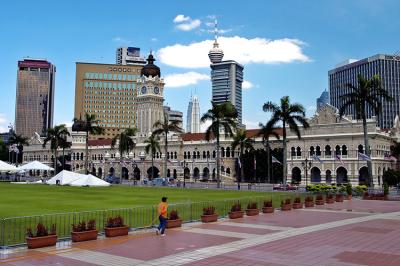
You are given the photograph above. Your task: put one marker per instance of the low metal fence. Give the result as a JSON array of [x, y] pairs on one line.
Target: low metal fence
[[13, 229]]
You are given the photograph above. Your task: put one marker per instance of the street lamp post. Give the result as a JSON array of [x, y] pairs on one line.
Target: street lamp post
[[306, 164], [194, 156]]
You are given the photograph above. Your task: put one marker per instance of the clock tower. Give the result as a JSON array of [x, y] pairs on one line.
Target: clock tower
[[149, 98]]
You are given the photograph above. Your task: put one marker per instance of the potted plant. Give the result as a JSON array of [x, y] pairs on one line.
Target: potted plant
[[267, 207], [339, 197], [174, 220], [209, 215], [236, 211], [285, 205], [297, 203], [42, 237], [349, 191], [309, 202], [252, 209], [115, 227], [330, 199], [319, 200], [84, 231], [366, 195]]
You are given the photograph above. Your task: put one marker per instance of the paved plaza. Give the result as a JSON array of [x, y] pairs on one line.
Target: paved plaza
[[354, 232]]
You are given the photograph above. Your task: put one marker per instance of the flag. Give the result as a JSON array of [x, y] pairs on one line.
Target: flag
[[316, 158], [364, 157], [338, 158], [274, 160]]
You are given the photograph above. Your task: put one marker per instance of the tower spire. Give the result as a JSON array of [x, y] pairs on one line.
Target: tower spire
[[216, 54]]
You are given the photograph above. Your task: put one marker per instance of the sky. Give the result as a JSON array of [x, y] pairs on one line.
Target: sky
[[286, 47]]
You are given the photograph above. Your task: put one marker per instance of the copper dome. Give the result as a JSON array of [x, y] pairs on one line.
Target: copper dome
[[150, 69]]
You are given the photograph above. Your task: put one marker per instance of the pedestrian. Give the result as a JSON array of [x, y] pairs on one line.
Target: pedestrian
[[162, 216]]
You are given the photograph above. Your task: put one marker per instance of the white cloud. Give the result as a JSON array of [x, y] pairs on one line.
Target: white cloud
[[251, 124], [153, 39], [3, 123], [67, 123], [184, 79], [240, 49], [186, 23], [247, 84], [120, 39], [181, 18]]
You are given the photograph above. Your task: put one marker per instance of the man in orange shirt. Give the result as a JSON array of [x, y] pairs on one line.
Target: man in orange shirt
[[162, 216]]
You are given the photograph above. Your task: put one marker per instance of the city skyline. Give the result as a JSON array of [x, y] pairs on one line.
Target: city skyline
[[279, 47]]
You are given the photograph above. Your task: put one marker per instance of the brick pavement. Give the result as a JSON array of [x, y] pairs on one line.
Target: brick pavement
[[350, 233]]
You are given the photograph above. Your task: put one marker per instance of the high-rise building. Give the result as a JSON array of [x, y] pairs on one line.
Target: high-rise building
[[174, 116], [193, 116], [323, 99], [386, 66], [226, 79], [107, 91], [34, 106], [129, 56]]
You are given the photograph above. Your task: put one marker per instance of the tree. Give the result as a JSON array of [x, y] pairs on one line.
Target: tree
[[266, 131], [164, 127], [368, 93], [125, 143], [90, 125], [64, 144], [56, 135], [290, 115], [153, 145], [223, 117], [19, 141], [3, 151], [241, 140]]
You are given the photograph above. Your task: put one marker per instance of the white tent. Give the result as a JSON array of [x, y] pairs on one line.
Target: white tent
[[5, 167], [64, 178], [91, 181], [35, 165]]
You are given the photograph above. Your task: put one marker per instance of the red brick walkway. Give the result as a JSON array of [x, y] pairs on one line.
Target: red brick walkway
[[349, 233]]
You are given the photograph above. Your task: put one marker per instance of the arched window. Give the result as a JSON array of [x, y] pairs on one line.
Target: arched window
[[188, 155], [228, 152], [361, 148], [312, 151], [292, 151], [298, 151], [344, 150], [194, 155], [82, 156], [157, 155], [184, 155], [198, 155], [337, 150], [318, 151], [214, 154], [204, 154], [73, 156], [328, 151], [222, 152], [175, 155]]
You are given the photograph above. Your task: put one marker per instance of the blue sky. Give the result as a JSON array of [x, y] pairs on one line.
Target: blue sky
[[287, 47]]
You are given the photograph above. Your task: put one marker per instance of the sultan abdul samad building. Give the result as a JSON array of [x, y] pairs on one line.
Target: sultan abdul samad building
[[335, 141]]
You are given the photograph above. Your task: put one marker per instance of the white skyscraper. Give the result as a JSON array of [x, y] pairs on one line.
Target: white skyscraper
[[193, 116], [129, 56]]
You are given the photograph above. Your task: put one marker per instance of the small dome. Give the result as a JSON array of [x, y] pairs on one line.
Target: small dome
[[216, 54], [150, 69]]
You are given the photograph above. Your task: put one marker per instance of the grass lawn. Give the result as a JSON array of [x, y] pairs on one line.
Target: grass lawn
[[26, 200]]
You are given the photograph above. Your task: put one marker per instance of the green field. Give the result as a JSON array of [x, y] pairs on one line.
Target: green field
[[25, 200]]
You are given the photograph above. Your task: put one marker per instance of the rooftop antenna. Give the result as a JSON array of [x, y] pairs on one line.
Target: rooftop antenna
[[215, 30]]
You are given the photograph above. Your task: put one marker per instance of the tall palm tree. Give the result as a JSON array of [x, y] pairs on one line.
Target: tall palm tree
[[241, 140], [223, 117], [368, 94], [90, 125], [125, 143], [164, 127], [290, 115], [56, 135], [266, 131], [153, 145], [64, 144], [20, 141]]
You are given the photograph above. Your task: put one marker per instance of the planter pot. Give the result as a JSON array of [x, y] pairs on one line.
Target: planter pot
[[319, 202], [330, 201], [174, 223], [339, 199], [209, 218], [297, 205], [349, 197], [84, 236], [116, 231], [268, 209], [286, 207], [42, 241], [252, 212], [236, 215], [309, 204]]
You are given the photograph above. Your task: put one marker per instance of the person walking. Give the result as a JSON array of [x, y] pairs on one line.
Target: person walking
[[162, 211]]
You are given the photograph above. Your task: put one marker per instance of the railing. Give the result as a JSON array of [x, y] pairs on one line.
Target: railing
[[13, 229]]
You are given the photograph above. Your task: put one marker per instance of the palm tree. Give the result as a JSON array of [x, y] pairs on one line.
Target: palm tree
[[125, 143], [90, 126], [290, 115], [64, 144], [19, 141], [153, 145], [222, 116], [266, 131], [56, 135], [240, 139], [165, 127], [368, 94]]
